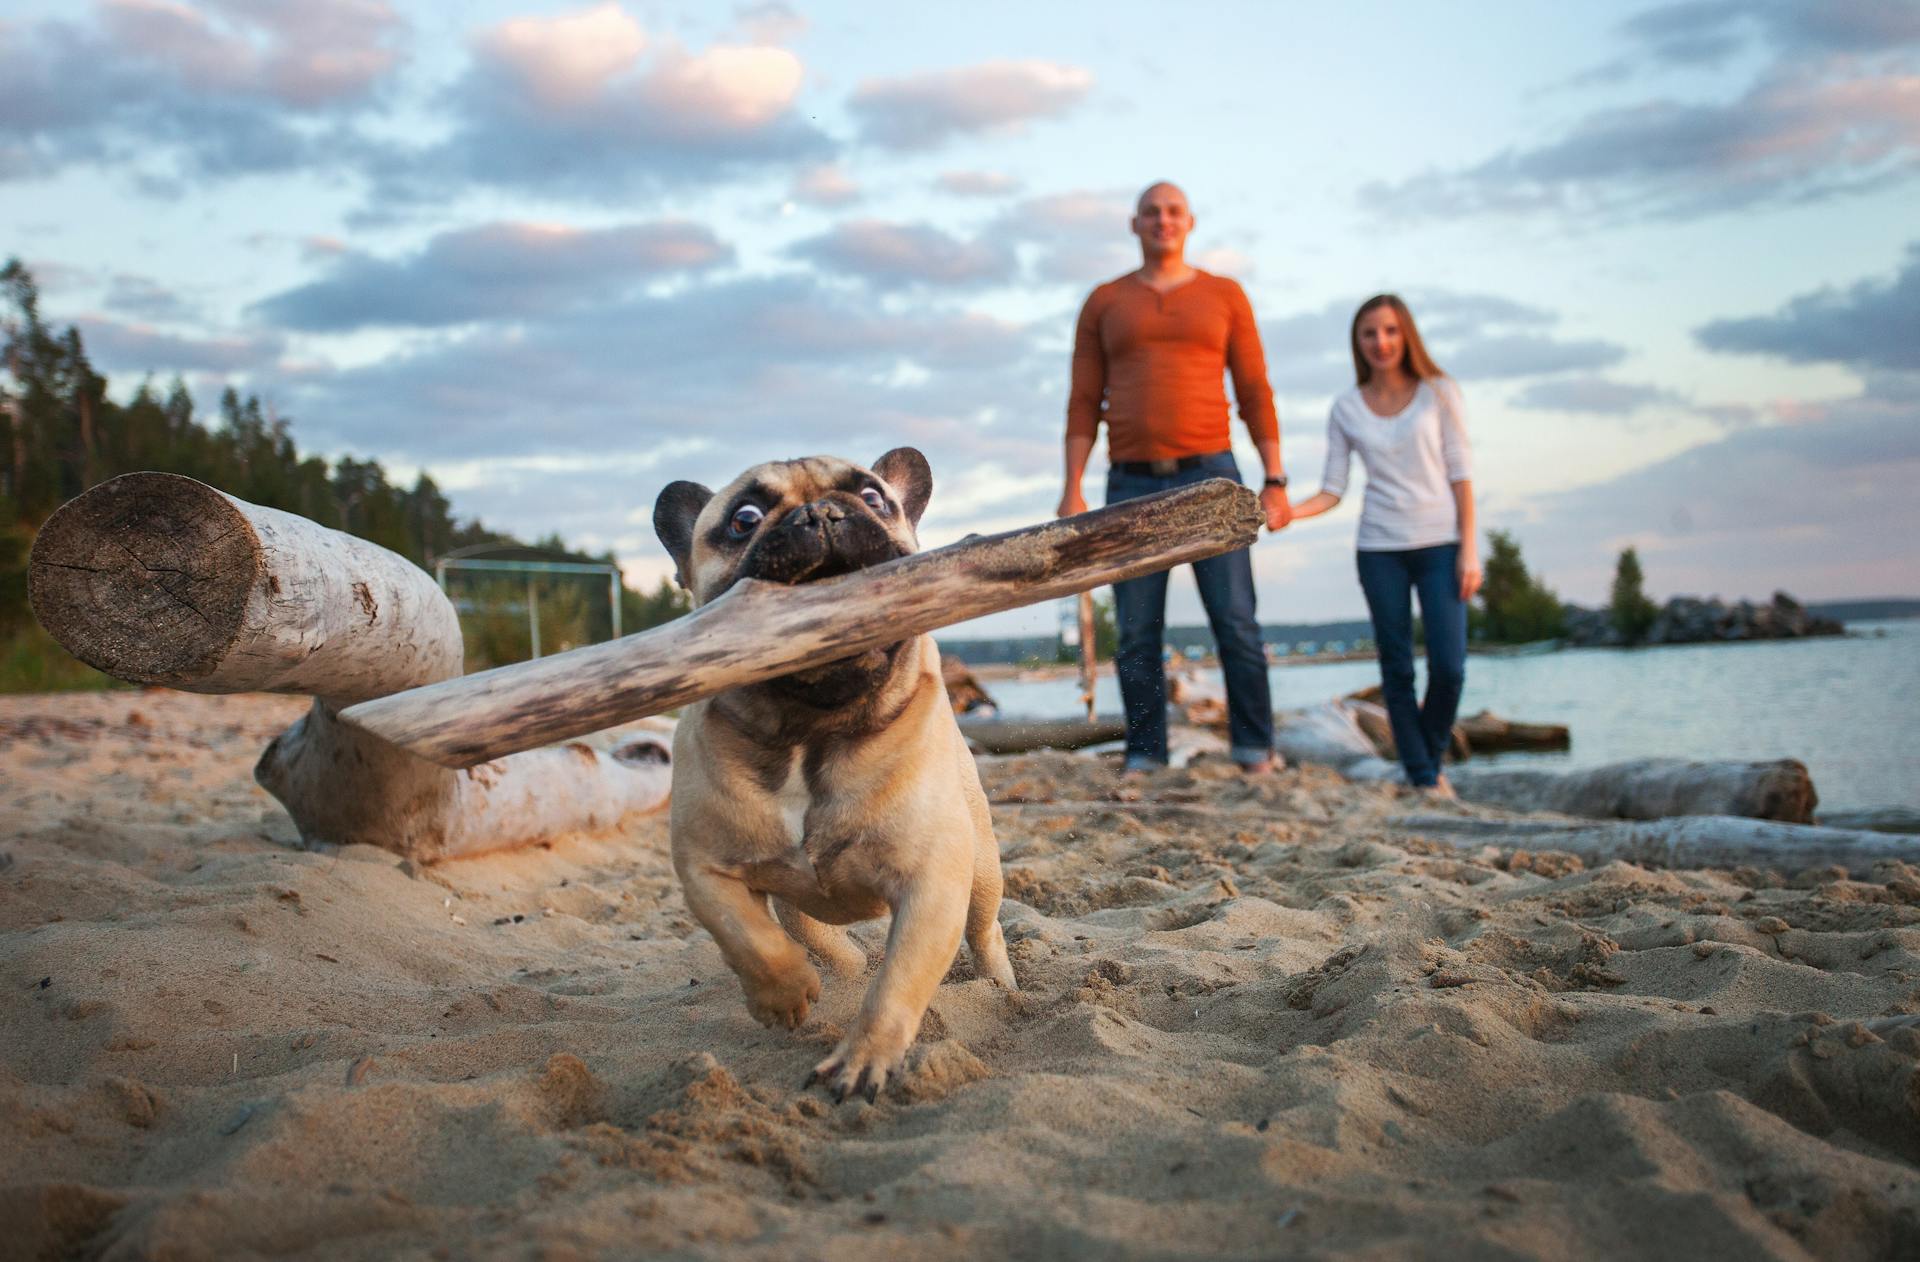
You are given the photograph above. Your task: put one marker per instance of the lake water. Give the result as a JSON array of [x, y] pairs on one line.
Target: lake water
[[1847, 707]]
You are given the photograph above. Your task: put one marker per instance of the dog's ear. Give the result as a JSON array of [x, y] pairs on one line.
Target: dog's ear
[[673, 516], [906, 471]]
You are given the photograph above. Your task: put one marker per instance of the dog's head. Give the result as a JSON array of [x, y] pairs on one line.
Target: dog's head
[[794, 521]]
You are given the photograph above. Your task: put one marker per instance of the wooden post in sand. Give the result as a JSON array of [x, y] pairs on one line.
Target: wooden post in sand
[[758, 630], [158, 579], [1089, 652]]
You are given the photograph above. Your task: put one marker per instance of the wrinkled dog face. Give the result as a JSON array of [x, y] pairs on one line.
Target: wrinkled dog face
[[793, 521]]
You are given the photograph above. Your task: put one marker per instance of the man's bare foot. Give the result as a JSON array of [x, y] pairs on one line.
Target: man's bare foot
[[1441, 789], [1265, 767]]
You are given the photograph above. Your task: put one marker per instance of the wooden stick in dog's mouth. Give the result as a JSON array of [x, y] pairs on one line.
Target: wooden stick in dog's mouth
[[759, 631]]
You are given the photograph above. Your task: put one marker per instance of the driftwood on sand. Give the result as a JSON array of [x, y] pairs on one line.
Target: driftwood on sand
[[1482, 733], [759, 630], [158, 579], [1019, 736], [1649, 788], [1700, 841]]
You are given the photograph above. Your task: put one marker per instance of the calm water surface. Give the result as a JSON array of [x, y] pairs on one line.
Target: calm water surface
[[1847, 707]]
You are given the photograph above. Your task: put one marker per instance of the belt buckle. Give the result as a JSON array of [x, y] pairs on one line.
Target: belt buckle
[[1163, 468]]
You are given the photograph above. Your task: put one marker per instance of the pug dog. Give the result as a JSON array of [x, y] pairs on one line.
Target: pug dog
[[839, 793]]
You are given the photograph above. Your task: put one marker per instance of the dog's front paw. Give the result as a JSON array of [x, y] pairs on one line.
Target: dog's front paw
[[784, 998], [863, 1062]]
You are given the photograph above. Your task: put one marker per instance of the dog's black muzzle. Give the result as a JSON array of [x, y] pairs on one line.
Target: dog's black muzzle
[[835, 534]]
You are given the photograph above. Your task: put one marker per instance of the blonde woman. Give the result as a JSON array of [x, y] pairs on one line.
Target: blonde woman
[[1405, 419]]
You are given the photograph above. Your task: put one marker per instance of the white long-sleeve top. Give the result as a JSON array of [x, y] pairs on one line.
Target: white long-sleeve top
[[1412, 459]]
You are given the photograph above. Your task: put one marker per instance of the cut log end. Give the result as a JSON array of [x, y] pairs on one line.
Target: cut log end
[[146, 577]]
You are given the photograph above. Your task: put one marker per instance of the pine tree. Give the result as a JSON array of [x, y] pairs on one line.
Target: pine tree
[[1632, 612], [1516, 608]]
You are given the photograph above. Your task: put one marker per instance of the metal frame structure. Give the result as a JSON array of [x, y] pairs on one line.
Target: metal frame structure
[[531, 568]]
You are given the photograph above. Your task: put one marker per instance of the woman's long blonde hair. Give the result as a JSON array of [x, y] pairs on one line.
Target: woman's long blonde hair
[[1413, 358]]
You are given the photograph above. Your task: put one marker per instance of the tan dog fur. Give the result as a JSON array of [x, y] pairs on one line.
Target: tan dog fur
[[839, 812]]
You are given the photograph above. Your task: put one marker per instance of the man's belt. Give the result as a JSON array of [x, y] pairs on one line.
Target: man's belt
[[1163, 468]]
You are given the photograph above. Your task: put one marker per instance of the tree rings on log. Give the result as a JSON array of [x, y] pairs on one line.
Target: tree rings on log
[[146, 577]]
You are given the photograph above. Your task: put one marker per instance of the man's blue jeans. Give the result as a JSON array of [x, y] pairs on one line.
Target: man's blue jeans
[[1140, 616], [1421, 732]]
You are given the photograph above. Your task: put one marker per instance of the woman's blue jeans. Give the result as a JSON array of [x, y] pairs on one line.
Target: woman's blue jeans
[[1140, 617], [1421, 732]]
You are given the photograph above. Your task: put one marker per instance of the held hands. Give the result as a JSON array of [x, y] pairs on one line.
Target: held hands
[[1071, 503], [1468, 568], [1279, 511]]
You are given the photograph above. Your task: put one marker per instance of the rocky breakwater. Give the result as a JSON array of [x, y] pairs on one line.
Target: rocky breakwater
[[1690, 620]]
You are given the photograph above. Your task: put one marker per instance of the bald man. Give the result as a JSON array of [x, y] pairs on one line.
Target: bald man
[[1149, 354]]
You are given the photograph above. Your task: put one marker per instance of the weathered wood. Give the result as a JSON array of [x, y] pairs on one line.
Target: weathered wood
[[1648, 788], [1089, 653], [759, 631], [159, 579], [1019, 736], [1488, 733], [1699, 841]]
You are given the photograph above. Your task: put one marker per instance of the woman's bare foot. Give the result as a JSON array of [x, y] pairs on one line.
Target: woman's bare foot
[[1441, 789]]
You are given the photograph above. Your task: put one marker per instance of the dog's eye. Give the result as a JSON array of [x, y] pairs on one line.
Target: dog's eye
[[876, 501], [744, 519]]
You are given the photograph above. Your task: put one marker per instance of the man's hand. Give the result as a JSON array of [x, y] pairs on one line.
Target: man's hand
[[1468, 568], [1071, 503], [1279, 511]]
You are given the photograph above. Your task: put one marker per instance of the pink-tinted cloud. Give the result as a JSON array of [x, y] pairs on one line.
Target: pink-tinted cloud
[[895, 255], [494, 272], [925, 111]]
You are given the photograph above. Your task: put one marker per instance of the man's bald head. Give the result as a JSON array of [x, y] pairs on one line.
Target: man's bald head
[[1162, 219], [1161, 190]]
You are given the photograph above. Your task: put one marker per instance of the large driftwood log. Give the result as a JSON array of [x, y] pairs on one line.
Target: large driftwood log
[[759, 631], [159, 579], [1699, 841], [1019, 736], [1488, 733], [1648, 788]]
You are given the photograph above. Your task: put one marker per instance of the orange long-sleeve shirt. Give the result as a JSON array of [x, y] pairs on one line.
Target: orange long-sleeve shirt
[[1156, 360]]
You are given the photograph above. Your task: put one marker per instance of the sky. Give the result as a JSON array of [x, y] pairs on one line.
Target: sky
[[561, 255]]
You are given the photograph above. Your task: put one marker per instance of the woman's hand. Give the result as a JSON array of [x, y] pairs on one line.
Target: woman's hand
[[1468, 568]]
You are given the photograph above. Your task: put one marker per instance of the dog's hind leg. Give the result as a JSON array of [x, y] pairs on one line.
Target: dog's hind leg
[[985, 943], [830, 944]]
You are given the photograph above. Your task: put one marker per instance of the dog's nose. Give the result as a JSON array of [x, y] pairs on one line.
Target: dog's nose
[[828, 510]]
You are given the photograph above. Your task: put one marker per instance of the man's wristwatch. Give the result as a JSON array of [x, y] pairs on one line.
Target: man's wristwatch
[[1280, 481]]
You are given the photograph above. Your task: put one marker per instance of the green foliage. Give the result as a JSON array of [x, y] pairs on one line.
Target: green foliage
[[1632, 612], [1106, 634], [1515, 607], [663, 604], [60, 434]]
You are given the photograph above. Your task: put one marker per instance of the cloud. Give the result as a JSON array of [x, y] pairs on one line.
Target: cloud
[[1835, 111], [899, 255], [114, 346], [770, 22], [587, 104], [498, 271], [146, 299], [1869, 324], [927, 110], [976, 183], [827, 184], [1707, 521], [1598, 396], [1078, 237], [1473, 336], [753, 361], [227, 88]]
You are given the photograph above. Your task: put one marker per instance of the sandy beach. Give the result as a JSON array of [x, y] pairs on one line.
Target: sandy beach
[[1257, 1019]]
